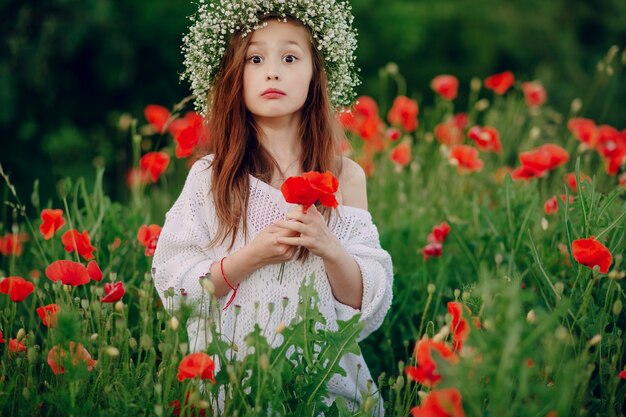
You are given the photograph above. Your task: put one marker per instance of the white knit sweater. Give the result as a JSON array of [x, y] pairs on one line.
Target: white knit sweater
[[182, 257]]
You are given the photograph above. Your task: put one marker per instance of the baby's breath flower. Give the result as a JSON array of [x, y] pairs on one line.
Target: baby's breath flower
[[215, 21]]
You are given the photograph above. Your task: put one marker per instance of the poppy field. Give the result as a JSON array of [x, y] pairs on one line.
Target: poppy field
[[505, 219]]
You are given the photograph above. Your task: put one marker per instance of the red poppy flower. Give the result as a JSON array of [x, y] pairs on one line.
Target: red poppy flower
[[622, 375], [487, 138], [94, 271], [59, 358], [392, 134], [534, 93], [136, 178], [113, 292], [157, 116], [450, 132], [48, 314], [74, 241], [148, 237], [446, 86], [403, 113], [1, 338], [544, 158], [500, 82], [196, 365], [52, 221], [551, 205], [68, 272], [16, 347], [459, 327], [154, 163], [440, 403], [188, 132], [11, 244], [176, 407], [426, 370], [439, 233], [590, 253], [433, 249], [309, 188], [526, 173], [570, 180], [465, 158], [401, 154], [363, 119], [584, 130], [17, 288], [611, 145]]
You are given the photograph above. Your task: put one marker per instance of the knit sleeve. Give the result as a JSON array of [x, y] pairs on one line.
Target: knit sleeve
[[362, 242], [181, 255]]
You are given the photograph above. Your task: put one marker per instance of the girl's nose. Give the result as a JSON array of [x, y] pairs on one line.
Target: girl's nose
[[271, 76]]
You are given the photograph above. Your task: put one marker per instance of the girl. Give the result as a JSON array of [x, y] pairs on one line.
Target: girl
[[269, 117]]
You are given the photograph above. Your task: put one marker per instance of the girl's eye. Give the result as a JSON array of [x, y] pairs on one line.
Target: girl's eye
[[290, 59], [255, 59]]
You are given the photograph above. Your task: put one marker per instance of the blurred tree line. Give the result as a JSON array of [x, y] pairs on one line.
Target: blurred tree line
[[69, 69]]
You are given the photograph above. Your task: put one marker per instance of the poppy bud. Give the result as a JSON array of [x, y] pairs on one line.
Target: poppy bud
[[112, 351], [369, 404], [203, 404], [594, 340], [174, 323], [576, 105], [132, 343], [617, 307], [119, 306], [280, 328], [184, 347], [208, 286], [20, 334], [431, 288], [481, 105], [158, 410], [93, 336], [264, 362], [531, 317]]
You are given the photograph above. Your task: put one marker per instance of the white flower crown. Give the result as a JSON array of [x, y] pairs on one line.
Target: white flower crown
[[330, 22]]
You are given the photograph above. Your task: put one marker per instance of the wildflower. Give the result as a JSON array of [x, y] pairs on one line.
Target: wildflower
[[94, 271], [622, 375], [148, 236], [465, 158], [440, 403], [551, 205], [439, 233], [459, 326], [75, 241], [1, 338], [11, 244], [136, 178], [113, 292], [154, 163], [584, 130], [611, 145], [570, 180], [538, 161], [48, 314], [534, 93], [487, 138], [52, 220], [450, 132], [196, 365], [176, 407], [157, 116], [16, 346], [404, 112], [68, 272], [433, 249], [311, 187], [188, 132], [363, 119], [426, 370], [446, 86], [16, 288], [392, 134], [401, 154], [500, 82], [590, 253], [58, 357]]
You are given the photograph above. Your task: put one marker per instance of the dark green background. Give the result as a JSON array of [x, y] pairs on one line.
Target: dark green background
[[70, 68]]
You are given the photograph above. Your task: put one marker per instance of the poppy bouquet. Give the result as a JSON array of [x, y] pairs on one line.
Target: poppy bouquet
[[311, 187]]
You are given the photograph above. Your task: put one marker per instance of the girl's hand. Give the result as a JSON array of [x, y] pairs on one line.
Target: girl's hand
[[266, 249], [309, 230]]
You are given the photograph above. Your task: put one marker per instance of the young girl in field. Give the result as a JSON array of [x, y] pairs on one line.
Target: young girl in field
[[268, 75]]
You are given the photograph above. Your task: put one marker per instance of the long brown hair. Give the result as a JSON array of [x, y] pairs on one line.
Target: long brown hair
[[239, 154]]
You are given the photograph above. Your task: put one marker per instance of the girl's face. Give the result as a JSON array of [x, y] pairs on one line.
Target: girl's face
[[278, 70]]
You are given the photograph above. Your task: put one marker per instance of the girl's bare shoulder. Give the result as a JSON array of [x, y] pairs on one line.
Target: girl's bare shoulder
[[352, 184]]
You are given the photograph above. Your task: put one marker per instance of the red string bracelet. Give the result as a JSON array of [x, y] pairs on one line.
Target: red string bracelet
[[232, 297]]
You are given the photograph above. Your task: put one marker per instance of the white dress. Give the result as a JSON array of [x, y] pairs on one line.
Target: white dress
[[182, 256]]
